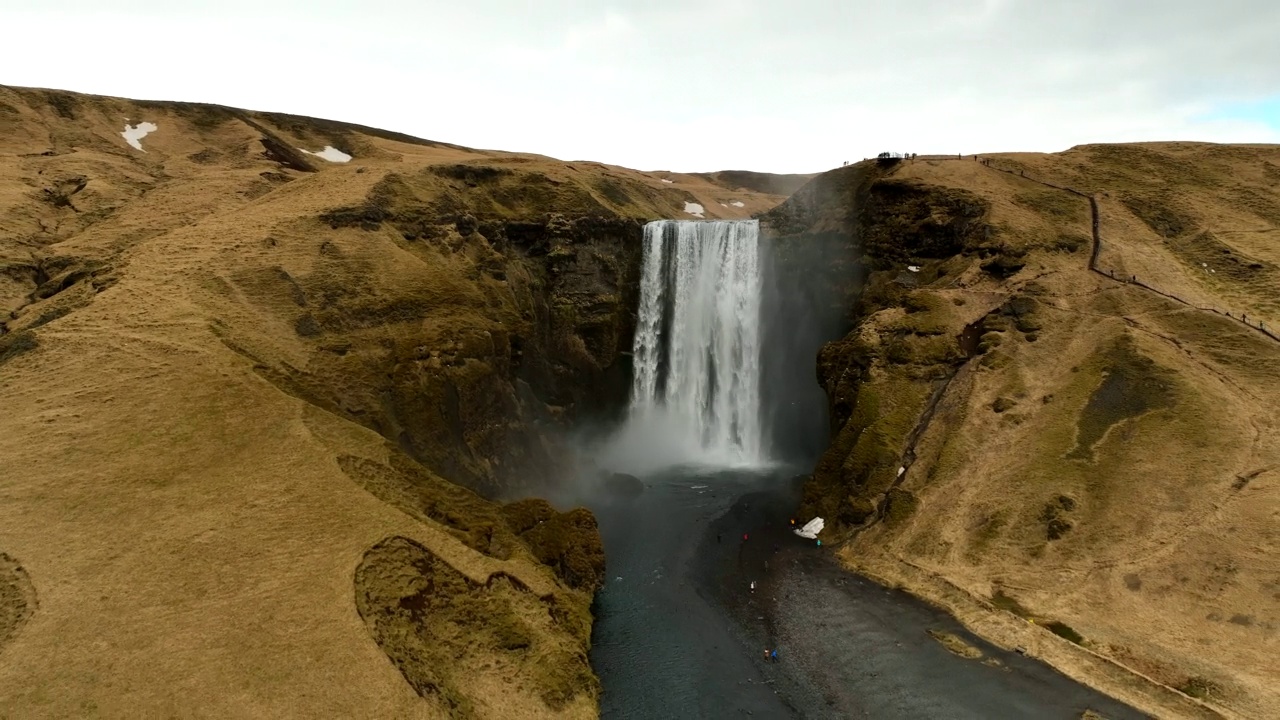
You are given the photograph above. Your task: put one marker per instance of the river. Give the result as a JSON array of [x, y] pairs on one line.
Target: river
[[680, 634]]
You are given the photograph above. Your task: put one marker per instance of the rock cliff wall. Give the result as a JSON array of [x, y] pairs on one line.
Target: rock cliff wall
[[1052, 404]]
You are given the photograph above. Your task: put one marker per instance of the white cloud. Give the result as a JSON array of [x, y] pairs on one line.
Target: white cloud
[[691, 85]]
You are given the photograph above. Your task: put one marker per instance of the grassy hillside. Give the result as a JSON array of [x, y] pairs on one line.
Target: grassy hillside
[[767, 183], [259, 408], [1081, 462]]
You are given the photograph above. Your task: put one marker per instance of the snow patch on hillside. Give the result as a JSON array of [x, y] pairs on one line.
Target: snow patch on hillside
[[134, 133], [330, 153]]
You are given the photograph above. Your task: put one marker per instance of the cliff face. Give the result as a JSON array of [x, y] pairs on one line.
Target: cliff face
[[511, 323], [878, 379], [264, 403], [1026, 427]]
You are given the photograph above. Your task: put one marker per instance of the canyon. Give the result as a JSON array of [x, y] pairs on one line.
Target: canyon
[[279, 422]]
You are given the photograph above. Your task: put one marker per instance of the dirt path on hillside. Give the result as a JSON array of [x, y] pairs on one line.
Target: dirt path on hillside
[[1096, 251]]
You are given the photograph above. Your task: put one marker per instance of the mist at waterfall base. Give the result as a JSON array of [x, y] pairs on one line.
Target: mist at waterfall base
[[724, 356]]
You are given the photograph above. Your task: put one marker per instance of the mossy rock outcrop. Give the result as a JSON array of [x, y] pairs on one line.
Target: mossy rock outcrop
[[569, 542]]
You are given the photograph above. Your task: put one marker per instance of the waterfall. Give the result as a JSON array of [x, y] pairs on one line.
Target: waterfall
[[695, 396]]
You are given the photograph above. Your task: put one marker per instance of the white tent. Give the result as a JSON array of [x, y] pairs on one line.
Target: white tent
[[810, 529]]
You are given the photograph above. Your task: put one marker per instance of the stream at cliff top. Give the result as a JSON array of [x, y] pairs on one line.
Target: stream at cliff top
[[680, 632]]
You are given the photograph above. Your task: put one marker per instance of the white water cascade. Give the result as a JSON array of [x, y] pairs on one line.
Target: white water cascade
[[695, 396]]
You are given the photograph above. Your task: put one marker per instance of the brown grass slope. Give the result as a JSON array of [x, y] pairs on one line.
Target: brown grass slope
[[1072, 463], [243, 389]]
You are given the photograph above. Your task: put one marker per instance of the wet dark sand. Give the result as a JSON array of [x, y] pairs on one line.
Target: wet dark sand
[[681, 635]]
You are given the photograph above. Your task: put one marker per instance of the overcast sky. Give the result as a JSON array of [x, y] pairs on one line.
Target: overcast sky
[[688, 85]]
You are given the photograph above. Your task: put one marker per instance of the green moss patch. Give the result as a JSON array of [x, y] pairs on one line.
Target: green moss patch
[[1054, 204], [1203, 251], [1159, 210], [1064, 630], [411, 488], [1007, 602], [955, 644], [439, 628], [987, 530], [1054, 516], [1200, 688], [569, 543], [17, 597], [50, 315], [306, 326], [15, 344], [900, 505], [1132, 385]]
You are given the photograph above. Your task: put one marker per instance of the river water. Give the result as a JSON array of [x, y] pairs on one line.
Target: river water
[[680, 634]]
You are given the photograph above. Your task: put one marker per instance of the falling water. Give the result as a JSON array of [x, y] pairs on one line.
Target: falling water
[[695, 396]]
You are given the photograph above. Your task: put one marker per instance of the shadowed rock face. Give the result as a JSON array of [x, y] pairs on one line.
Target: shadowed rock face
[[622, 485], [477, 371]]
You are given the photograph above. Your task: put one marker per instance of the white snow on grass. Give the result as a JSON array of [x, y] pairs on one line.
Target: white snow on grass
[[666, 181], [694, 209], [330, 153], [133, 133], [738, 203], [913, 268]]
